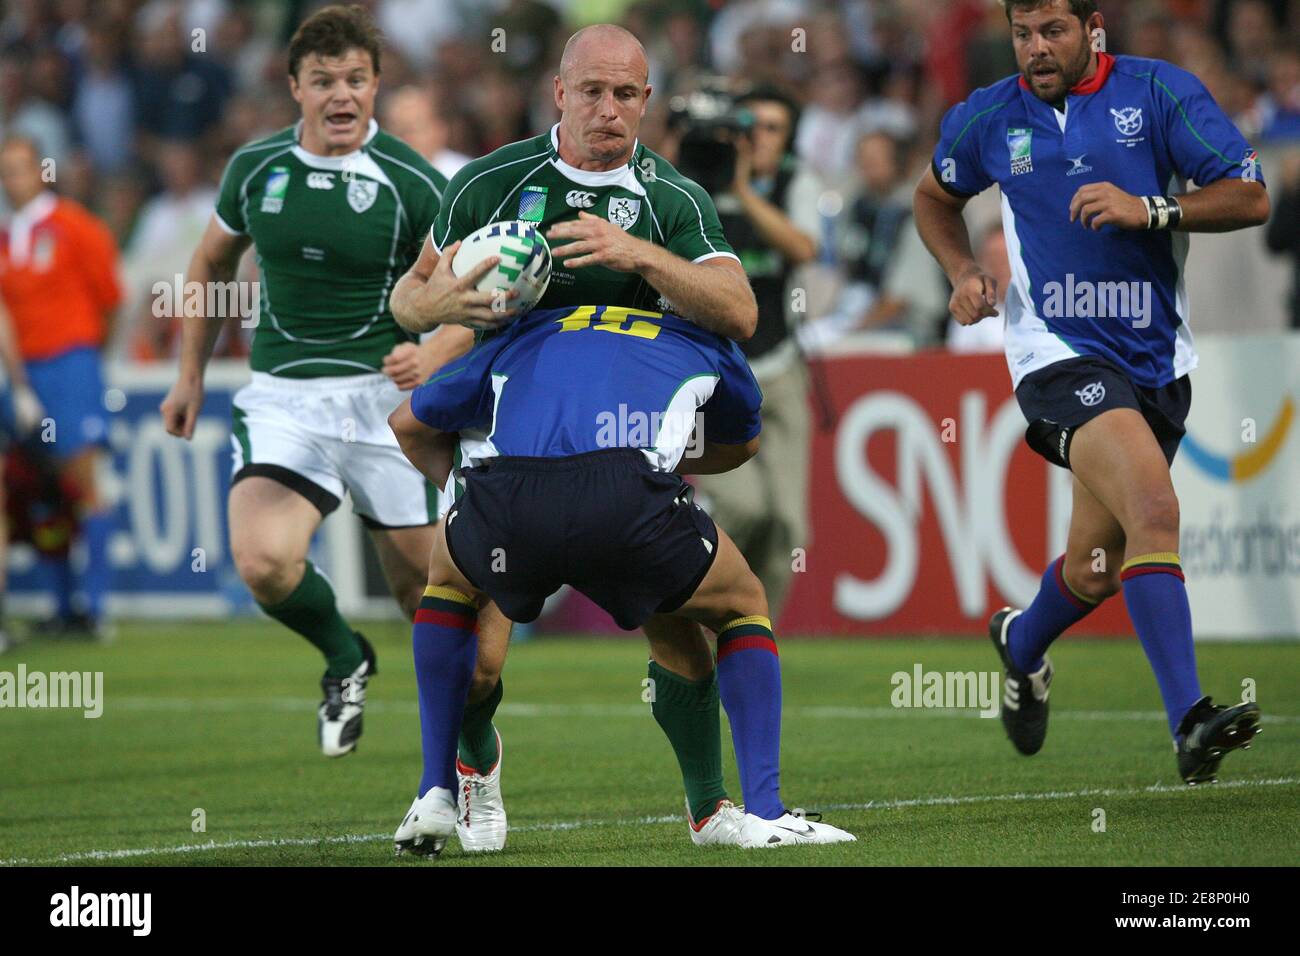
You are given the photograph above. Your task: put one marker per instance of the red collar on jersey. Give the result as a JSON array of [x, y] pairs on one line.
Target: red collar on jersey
[[1105, 63]]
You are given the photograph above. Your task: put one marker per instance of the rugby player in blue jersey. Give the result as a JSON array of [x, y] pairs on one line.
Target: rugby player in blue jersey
[[587, 414], [1092, 154]]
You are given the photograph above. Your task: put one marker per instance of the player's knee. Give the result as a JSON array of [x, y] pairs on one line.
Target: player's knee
[[1092, 583], [748, 598], [1154, 515], [270, 576]]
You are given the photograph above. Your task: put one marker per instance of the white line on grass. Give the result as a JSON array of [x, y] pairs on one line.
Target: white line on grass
[[937, 801], [508, 709]]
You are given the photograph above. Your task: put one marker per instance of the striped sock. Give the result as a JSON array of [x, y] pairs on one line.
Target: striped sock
[[1055, 608], [1156, 595], [445, 641], [749, 682]]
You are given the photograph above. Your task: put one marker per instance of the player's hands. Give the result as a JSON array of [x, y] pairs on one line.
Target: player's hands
[[974, 295], [596, 242], [1099, 204], [446, 299], [180, 409], [409, 365]]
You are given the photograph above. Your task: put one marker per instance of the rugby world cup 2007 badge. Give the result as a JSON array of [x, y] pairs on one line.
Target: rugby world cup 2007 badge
[[532, 204], [277, 184], [1020, 144]]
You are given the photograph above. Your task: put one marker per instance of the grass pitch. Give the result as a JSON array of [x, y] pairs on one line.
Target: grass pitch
[[216, 722]]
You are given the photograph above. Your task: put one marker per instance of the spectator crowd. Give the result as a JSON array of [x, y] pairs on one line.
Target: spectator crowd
[[137, 104]]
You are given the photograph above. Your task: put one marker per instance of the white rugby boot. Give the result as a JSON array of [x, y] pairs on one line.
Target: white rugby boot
[[480, 809], [428, 825], [721, 828], [338, 718], [787, 830]]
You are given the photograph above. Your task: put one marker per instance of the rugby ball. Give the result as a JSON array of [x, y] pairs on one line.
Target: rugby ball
[[525, 265]]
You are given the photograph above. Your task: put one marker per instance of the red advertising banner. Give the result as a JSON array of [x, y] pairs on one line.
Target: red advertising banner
[[928, 510]]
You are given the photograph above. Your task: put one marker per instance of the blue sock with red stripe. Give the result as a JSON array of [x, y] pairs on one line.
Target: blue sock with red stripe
[[1054, 609], [749, 683], [445, 641], [1156, 595]]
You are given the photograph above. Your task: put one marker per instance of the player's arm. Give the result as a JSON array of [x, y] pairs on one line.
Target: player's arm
[[430, 294], [215, 260], [409, 365], [941, 226], [430, 450], [1223, 206], [714, 294], [717, 458], [1203, 144]]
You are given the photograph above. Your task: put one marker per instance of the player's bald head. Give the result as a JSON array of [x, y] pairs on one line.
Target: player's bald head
[[607, 43]]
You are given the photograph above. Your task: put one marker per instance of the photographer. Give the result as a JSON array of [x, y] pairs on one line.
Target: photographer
[[767, 207]]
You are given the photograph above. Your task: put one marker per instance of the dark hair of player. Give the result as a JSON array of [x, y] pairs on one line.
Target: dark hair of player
[[332, 31], [1082, 9]]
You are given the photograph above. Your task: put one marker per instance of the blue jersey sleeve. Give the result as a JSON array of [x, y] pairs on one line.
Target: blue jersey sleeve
[[459, 395], [1204, 144], [731, 415], [958, 160]]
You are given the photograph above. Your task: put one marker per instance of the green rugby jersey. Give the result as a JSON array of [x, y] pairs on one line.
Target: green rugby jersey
[[333, 234], [528, 180]]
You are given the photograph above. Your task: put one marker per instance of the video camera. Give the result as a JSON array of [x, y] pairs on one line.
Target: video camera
[[709, 121]]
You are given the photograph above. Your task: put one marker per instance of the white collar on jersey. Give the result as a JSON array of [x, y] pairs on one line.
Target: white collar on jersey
[[24, 220], [624, 176], [329, 162]]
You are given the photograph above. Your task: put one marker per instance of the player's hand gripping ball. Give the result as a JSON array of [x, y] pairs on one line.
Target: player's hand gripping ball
[[525, 266]]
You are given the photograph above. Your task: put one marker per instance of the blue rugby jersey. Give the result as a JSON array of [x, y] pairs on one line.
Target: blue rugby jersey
[[562, 382], [1143, 125]]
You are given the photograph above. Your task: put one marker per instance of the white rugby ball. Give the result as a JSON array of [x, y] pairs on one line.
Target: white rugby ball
[[525, 265]]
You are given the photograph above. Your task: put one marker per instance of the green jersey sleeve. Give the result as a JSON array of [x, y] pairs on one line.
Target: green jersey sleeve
[[230, 206], [692, 230], [458, 215]]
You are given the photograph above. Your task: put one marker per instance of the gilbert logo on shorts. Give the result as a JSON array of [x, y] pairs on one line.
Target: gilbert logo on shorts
[[1092, 394]]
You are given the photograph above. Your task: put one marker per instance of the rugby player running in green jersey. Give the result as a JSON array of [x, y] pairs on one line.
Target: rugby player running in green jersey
[[335, 210], [627, 231]]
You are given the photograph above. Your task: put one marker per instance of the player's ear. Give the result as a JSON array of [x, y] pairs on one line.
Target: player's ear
[[294, 90], [559, 94]]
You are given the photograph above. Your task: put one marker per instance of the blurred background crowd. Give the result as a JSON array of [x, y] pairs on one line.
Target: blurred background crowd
[[140, 102]]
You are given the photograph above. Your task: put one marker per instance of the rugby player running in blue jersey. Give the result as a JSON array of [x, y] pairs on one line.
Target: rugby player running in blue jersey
[[1092, 153]]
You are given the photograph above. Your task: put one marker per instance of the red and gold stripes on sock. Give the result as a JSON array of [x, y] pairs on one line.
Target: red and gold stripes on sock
[[1156, 594], [445, 643], [749, 683]]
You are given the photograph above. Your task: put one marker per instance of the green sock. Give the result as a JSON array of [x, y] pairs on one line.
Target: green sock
[[687, 712], [310, 611], [478, 738]]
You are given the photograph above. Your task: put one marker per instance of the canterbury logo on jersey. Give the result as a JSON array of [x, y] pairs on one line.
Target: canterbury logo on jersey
[[320, 180], [579, 199]]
